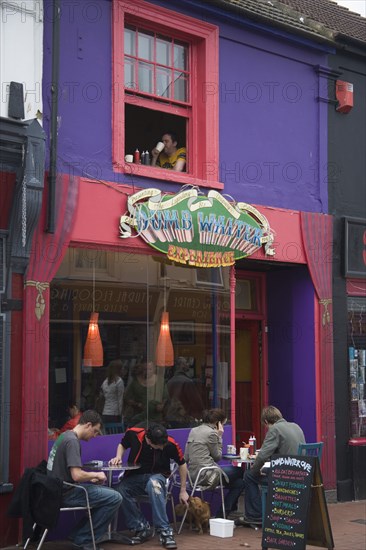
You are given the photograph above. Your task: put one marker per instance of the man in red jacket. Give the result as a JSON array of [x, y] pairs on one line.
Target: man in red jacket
[[153, 450]]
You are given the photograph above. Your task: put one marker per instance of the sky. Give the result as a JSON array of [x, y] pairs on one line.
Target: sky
[[359, 6]]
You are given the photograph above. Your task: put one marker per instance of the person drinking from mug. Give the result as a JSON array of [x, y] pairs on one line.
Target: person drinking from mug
[[170, 157]]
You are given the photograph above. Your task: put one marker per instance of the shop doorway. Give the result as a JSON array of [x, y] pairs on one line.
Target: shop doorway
[[248, 376]]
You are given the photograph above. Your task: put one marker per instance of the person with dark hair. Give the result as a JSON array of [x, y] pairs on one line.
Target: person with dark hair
[[64, 462], [113, 388], [172, 157], [185, 405], [143, 399], [204, 448], [282, 438], [153, 450]]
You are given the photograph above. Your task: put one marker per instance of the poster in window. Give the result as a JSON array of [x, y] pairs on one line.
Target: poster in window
[[354, 247]]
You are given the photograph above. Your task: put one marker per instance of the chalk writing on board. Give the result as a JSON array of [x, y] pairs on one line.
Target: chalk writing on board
[[290, 481]]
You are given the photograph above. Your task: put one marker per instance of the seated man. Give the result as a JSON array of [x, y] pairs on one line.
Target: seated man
[[65, 463], [153, 450], [171, 157], [282, 438]]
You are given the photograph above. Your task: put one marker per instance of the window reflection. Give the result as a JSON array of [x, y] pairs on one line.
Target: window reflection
[[158, 62], [129, 297]]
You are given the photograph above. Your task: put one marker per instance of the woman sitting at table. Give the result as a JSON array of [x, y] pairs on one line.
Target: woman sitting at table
[[204, 448]]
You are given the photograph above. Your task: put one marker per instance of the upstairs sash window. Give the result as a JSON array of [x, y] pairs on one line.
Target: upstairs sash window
[[165, 79]]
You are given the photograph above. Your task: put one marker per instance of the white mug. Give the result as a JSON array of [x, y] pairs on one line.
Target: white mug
[[159, 146], [244, 451], [129, 158], [231, 450]]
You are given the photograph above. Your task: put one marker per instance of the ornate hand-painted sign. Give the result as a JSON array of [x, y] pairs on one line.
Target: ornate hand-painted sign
[[197, 230]]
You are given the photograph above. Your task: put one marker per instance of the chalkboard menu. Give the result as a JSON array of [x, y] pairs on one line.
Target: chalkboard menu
[[295, 496]]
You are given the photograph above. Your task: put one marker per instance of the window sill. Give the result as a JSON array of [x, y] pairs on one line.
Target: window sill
[[182, 178]]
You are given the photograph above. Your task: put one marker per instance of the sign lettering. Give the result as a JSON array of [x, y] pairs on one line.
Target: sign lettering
[[197, 230]]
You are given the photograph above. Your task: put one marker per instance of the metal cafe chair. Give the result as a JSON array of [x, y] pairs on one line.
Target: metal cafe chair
[[113, 428], [311, 449], [197, 487], [68, 509], [305, 449]]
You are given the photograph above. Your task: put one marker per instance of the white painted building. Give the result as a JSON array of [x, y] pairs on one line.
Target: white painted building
[[21, 52]]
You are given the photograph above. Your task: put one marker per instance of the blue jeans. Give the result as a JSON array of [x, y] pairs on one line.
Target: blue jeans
[[104, 503], [235, 486], [153, 485], [252, 496]]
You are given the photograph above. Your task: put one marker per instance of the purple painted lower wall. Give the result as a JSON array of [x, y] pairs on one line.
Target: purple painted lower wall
[[291, 346]]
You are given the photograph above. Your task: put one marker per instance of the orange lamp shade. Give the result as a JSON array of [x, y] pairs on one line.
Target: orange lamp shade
[[93, 349], [164, 348]]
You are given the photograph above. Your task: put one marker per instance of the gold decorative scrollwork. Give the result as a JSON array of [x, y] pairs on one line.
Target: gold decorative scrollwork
[[326, 315], [40, 301]]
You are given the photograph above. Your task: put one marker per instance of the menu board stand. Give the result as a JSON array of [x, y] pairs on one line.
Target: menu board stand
[[296, 512]]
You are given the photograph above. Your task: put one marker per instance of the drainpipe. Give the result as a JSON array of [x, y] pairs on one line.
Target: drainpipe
[[54, 116]]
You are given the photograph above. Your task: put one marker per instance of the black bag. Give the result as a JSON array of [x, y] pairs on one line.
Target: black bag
[[99, 403]]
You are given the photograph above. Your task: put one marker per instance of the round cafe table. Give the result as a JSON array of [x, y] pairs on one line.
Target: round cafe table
[[100, 466], [237, 461]]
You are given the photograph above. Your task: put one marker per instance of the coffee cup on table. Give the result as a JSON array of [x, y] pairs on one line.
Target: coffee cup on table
[[159, 146], [129, 158], [231, 450], [244, 452]]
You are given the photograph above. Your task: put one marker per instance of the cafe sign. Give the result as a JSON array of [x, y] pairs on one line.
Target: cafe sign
[[195, 229]]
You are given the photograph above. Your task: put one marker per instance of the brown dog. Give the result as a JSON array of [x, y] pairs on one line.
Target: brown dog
[[198, 511]]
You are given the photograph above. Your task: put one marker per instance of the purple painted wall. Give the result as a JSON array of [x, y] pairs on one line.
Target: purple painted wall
[[272, 151], [104, 447], [291, 346]]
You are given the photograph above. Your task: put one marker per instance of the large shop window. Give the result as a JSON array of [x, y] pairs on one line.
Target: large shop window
[[165, 75], [357, 363], [130, 294]]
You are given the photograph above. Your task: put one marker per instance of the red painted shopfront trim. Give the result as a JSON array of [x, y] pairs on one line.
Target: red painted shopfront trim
[[232, 354], [318, 400], [101, 205], [356, 287]]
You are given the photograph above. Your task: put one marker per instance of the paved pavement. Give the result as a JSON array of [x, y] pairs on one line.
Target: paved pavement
[[348, 522]]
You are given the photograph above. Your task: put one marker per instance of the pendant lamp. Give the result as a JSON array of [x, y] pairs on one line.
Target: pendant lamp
[[93, 349], [164, 348]]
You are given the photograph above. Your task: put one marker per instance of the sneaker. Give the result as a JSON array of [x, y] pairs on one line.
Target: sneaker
[[244, 520], [143, 535], [85, 547], [167, 539]]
